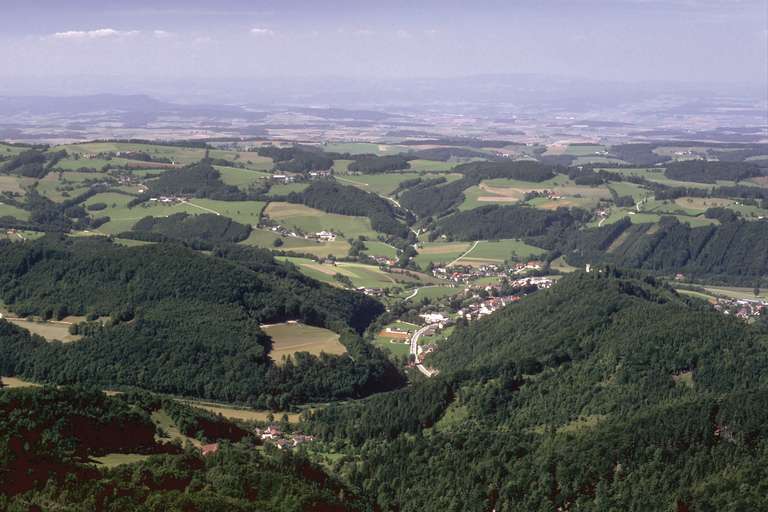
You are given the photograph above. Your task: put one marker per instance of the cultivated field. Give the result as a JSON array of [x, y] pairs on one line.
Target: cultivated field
[[292, 337], [241, 178], [490, 252], [362, 275], [310, 220]]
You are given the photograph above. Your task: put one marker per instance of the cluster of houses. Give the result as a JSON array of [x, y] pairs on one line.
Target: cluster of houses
[[322, 236], [168, 199], [486, 307], [461, 274], [740, 308], [281, 440]]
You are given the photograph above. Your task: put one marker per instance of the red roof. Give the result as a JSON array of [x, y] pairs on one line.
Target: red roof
[[208, 449]]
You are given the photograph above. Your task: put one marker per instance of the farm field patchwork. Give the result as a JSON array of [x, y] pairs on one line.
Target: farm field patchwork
[[440, 252], [361, 275], [241, 178]]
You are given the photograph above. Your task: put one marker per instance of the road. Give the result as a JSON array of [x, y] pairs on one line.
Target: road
[[463, 255], [415, 351]]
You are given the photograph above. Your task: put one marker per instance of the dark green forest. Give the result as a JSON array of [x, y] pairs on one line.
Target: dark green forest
[[608, 392], [203, 231], [184, 323], [50, 435]]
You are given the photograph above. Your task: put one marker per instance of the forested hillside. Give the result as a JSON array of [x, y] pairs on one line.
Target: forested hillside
[[203, 231], [182, 322], [607, 392], [494, 222], [51, 436], [734, 252], [197, 180]]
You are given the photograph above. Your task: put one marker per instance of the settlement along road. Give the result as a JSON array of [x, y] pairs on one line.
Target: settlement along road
[[415, 350]]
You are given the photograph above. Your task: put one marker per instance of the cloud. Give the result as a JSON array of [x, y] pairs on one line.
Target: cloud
[[162, 34], [258, 31], [403, 34], [363, 32], [101, 33]]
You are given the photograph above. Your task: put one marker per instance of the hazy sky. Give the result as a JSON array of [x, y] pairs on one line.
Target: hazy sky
[[689, 40]]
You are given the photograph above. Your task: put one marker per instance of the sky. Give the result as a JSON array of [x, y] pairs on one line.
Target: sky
[[71, 42]]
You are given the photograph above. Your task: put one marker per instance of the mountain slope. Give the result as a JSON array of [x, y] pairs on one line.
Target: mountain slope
[[607, 392]]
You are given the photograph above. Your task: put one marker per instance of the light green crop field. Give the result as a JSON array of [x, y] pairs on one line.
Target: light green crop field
[[14, 184], [112, 460], [597, 159], [244, 212], [292, 337], [358, 148], [264, 238], [241, 178], [122, 218], [383, 184], [583, 149], [8, 150], [251, 160], [341, 166], [7, 210], [363, 275], [435, 292], [487, 251], [475, 197], [287, 188], [394, 346], [440, 252], [431, 165], [311, 220], [72, 164], [376, 248], [111, 199], [630, 189], [180, 155]]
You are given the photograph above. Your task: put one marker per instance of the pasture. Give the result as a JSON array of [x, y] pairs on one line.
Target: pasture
[[440, 252], [496, 252], [51, 330], [310, 220], [287, 188], [361, 275], [386, 183], [360, 148], [13, 184], [292, 337], [241, 178], [240, 413], [6, 210], [265, 239]]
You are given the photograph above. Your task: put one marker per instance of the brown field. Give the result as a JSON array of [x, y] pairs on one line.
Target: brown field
[[445, 248], [15, 382], [619, 240], [11, 184], [292, 337], [395, 335], [50, 330], [235, 413]]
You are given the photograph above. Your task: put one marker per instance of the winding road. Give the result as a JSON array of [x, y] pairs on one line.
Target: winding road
[[414, 350]]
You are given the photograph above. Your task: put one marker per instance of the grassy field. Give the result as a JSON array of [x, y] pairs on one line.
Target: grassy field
[[265, 239], [385, 184], [241, 178], [287, 188], [113, 460], [435, 292], [486, 252], [50, 330], [292, 337], [380, 249], [431, 165], [7, 210], [361, 275], [637, 192], [8, 150], [240, 413], [310, 220], [394, 344], [12, 184], [508, 191], [123, 218], [359, 148], [440, 252]]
